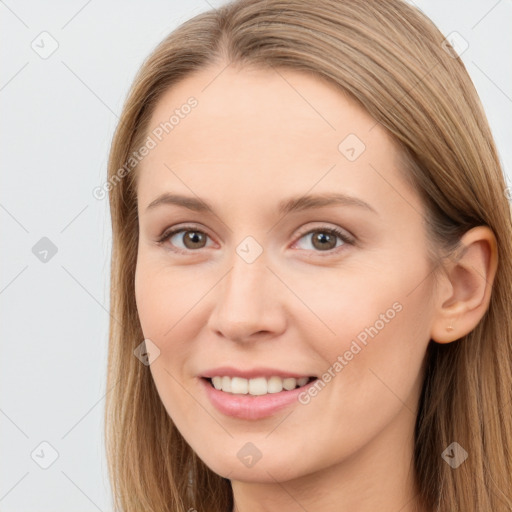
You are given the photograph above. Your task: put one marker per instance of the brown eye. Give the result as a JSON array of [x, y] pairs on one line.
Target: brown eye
[[194, 239], [323, 240], [185, 239], [326, 239]]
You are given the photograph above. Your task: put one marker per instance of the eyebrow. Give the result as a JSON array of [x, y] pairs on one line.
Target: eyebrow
[[293, 204]]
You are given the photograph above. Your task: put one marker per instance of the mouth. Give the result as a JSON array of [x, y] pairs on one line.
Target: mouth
[[257, 386]]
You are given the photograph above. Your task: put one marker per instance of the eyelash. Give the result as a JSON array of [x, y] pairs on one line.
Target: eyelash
[[323, 229]]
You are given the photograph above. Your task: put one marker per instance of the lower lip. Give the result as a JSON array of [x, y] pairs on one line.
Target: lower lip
[[252, 407]]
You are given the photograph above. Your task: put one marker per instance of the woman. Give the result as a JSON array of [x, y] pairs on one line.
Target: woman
[[334, 330]]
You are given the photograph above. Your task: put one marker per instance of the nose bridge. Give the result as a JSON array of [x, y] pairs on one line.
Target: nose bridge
[[246, 302], [243, 292]]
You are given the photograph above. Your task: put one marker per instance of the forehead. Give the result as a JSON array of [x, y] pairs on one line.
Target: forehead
[[255, 132], [252, 107]]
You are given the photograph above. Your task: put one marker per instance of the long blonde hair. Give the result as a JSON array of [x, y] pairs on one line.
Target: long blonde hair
[[391, 58]]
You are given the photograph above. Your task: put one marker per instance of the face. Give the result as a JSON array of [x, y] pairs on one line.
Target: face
[[340, 291]]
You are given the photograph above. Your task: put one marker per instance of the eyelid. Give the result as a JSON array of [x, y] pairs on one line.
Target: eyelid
[[173, 230], [342, 233]]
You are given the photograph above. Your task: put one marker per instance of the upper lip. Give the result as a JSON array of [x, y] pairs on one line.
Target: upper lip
[[229, 371]]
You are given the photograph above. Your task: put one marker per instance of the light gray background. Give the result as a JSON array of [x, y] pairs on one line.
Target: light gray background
[[58, 117]]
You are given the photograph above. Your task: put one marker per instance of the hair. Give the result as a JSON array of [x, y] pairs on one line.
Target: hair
[[390, 58]]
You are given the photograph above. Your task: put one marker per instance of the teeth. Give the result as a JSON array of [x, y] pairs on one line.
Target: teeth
[[256, 386], [217, 382], [289, 384], [226, 383], [238, 385], [302, 381], [274, 385]]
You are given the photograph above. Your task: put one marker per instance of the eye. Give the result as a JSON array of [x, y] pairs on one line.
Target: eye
[[324, 239], [194, 238]]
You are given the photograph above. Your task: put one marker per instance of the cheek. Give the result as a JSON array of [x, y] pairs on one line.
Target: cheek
[[385, 371], [164, 299], [379, 323], [171, 306], [150, 297], [162, 308], [353, 304]]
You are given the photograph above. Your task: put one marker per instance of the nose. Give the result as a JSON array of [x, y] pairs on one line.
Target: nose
[[248, 302]]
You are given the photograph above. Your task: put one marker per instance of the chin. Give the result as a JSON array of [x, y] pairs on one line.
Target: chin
[[279, 468]]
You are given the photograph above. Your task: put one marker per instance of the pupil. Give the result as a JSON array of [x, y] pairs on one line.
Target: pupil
[[323, 238], [194, 237]]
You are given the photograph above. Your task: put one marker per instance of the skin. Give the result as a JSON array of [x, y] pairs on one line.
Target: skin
[[255, 138]]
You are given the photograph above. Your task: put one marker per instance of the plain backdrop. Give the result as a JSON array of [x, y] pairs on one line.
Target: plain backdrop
[[58, 115]]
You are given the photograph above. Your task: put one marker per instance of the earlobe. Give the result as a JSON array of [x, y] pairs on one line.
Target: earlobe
[[467, 284]]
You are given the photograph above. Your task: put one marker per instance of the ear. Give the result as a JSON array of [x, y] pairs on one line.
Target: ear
[[464, 290]]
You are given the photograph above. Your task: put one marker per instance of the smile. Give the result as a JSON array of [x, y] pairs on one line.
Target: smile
[[248, 406], [257, 386]]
